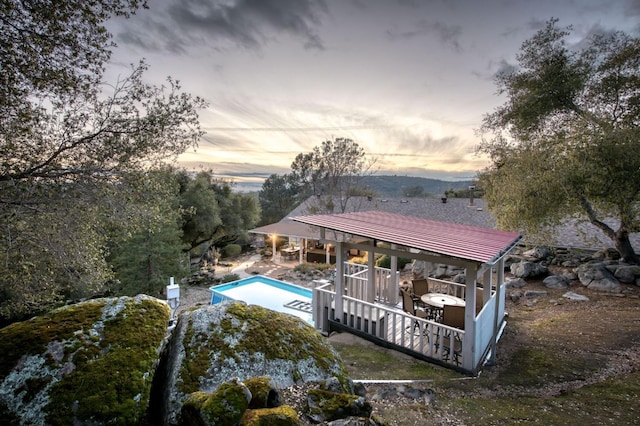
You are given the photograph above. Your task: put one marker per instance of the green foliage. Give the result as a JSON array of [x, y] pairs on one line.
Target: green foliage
[[71, 149], [213, 214], [384, 261], [144, 263], [332, 171], [227, 278], [231, 250], [112, 356], [278, 196], [562, 143]]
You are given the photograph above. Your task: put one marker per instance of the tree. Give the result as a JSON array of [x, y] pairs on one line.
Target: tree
[[332, 172], [214, 215], [71, 148], [565, 142], [278, 196], [145, 255]]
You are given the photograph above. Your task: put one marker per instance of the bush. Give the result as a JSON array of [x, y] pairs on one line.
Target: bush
[[385, 262], [229, 277], [231, 250]]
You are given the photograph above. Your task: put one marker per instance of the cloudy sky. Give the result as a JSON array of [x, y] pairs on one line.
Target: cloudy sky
[[408, 80]]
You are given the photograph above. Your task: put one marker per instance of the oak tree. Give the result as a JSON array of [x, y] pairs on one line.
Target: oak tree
[[333, 172], [566, 141], [72, 148]]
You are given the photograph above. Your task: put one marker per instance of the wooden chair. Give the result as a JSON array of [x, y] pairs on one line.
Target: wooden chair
[[409, 307]]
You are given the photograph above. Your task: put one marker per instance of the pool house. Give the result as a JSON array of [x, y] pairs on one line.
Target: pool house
[[365, 300]]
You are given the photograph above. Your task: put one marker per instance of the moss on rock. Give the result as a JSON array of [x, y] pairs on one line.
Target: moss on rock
[[216, 343], [278, 416], [89, 363], [264, 393], [327, 406], [225, 406]]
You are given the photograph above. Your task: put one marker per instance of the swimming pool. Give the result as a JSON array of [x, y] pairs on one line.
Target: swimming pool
[[269, 293]]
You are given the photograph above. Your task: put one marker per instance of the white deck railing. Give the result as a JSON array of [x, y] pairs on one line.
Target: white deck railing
[[356, 280], [389, 324]]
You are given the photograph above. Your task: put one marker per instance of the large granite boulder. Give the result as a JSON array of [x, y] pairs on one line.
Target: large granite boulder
[[525, 269], [217, 343], [91, 363], [596, 276]]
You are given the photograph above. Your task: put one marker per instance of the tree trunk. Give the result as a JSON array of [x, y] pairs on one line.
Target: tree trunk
[[624, 247]]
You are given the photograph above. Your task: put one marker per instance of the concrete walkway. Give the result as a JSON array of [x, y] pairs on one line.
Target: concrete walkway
[[240, 270]]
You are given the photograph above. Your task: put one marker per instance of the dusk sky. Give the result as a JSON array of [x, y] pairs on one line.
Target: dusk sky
[[408, 80]]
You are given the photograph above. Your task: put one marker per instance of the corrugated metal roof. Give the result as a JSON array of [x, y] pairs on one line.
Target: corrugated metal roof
[[460, 241]]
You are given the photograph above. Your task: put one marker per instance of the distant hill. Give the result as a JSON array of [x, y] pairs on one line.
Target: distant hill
[[394, 186]]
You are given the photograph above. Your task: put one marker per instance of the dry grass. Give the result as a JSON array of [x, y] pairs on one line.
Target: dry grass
[[558, 362]]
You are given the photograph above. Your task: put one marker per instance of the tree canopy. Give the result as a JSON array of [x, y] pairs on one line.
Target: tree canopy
[[278, 196], [333, 172], [75, 151], [565, 142], [214, 215]]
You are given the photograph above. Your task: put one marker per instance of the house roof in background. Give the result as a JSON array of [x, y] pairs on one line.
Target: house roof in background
[[465, 242]]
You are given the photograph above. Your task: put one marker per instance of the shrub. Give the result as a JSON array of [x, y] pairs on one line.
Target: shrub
[[304, 268], [231, 250], [229, 277], [385, 262]]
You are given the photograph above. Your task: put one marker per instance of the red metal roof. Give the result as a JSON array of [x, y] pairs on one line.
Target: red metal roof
[[449, 239]]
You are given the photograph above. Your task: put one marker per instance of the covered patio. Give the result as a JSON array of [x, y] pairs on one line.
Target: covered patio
[[364, 299]]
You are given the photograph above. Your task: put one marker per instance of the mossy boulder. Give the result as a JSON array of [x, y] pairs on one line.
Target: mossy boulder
[[278, 416], [225, 406], [326, 406], [88, 363], [213, 344], [264, 392]]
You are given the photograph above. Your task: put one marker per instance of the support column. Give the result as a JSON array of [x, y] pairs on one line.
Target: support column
[[274, 237], [496, 322], [392, 286], [370, 294], [303, 247], [487, 283], [468, 345], [339, 282]]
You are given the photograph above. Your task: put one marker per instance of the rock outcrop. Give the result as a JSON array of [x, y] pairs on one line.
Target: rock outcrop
[[89, 363], [218, 343], [117, 360]]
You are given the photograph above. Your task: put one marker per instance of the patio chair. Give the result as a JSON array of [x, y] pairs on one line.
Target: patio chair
[[409, 307], [453, 316], [421, 287]]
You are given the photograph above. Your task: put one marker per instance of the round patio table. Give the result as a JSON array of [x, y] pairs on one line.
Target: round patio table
[[438, 300]]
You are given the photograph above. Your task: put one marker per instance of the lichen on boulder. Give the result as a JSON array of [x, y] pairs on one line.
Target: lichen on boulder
[[214, 344], [88, 363]]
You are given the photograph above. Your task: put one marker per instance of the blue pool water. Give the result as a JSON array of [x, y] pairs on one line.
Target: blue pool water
[[268, 293]]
